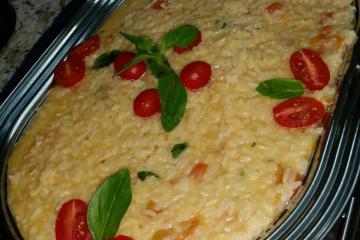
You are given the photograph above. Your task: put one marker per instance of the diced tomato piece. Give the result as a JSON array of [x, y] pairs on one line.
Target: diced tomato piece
[[274, 7], [199, 170], [325, 15], [158, 5], [326, 30]]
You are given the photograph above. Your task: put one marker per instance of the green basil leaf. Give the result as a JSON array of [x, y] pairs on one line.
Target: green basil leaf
[[158, 66], [109, 204], [281, 88], [182, 37], [173, 100], [178, 149], [142, 175], [220, 24], [138, 58], [143, 44], [105, 59], [172, 93]]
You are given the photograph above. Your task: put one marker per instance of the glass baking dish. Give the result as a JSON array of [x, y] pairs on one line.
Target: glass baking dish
[[334, 167]]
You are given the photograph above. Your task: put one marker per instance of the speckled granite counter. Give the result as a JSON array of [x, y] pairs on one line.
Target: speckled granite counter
[[33, 18]]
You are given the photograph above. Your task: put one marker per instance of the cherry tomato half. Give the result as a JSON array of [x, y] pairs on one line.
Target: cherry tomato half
[[147, 103], [69, 72], [85, 48], [309, 67], [134, 72], [195, 75], [196, 42], [158, 5], [71, 221], [121, 237], [299, 112]]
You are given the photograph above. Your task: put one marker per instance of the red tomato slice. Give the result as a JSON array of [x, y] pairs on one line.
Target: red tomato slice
[[196, 75], [134, 72], [299, 112], [71, 221], [68, 73], [121, 237], [196, 42], [85, 48], [158, 5], [309, 67], [147, 103]]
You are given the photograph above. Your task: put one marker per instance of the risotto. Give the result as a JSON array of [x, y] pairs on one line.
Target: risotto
[[235, 169]]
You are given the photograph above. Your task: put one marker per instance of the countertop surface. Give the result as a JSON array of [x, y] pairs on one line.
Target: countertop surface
[[33, 18]]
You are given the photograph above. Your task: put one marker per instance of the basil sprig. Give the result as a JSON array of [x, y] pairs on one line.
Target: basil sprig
[[109, 204], [142, 175], [281, 88], [172, 93], [105, 59], [178, 149]]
